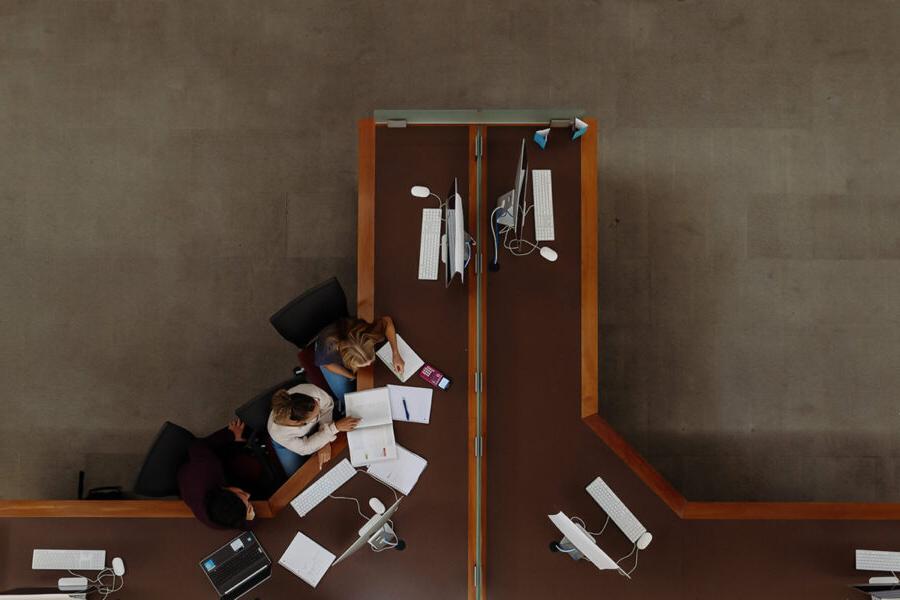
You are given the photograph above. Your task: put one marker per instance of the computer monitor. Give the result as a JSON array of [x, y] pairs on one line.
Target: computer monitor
[[509, 202], [454, 216], [583, 542], [38, 594], [370, 529], [521, 184], [879, 591]]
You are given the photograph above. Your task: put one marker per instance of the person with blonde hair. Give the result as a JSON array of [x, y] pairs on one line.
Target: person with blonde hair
[[348, 345], [301, 423]]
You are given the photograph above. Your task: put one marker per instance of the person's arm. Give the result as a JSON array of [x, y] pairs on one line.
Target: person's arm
[[308, 444], [326, 405], [390, 332], [340, 370], [200, 474], [218, 440]]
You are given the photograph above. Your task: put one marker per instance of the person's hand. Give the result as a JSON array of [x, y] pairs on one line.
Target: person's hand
[[236, 427], [347, 424], [398, 363], [324, 455]]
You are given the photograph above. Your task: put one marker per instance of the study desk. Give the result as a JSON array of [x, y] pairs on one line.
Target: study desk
[[533, 327]]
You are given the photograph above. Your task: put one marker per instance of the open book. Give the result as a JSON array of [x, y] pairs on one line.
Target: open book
[[373, 438]]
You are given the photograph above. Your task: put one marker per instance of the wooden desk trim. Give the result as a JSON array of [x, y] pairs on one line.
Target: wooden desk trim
[[590, 388], [682, 507], [590, 409], [365, 232]]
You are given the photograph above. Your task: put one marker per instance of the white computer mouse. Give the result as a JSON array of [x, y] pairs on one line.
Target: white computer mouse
[[644, 540], [420, 191], [377, 506], [549, 253], [118, 566]]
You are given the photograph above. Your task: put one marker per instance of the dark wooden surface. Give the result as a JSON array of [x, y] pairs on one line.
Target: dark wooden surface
[[540, 456]]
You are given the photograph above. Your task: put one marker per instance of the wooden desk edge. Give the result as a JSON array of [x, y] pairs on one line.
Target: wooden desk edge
[[589, 386]]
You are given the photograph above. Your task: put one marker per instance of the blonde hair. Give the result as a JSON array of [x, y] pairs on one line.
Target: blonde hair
[[291, 407], [355, 341]]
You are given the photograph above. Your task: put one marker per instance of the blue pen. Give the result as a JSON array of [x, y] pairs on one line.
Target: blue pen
[[406, 409]]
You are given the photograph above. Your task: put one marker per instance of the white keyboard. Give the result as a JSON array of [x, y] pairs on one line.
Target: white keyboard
[[542, 190], [877, 560], [324, 486], [616, 509], [76, 560], [429, 244]]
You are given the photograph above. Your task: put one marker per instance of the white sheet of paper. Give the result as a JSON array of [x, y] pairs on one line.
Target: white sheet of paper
[[372, 406], [402, 473], [371, 444], [418, 403], [411, 360], [306, 559]]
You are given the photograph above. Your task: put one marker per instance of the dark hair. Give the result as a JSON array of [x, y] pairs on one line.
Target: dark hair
[[291, 406], [225, 508]]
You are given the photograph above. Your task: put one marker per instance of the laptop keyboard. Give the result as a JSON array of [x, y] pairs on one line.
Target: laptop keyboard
[[234, 566]]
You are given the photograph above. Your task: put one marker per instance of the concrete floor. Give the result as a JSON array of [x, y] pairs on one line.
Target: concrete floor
[[171, 173]]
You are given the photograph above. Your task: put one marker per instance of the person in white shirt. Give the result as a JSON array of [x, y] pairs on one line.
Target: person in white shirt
[[301, 424]]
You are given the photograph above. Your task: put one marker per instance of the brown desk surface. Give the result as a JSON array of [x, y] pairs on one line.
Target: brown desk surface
[[540, 455]]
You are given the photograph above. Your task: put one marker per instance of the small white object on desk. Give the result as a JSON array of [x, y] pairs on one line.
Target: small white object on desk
[[411, 360], [72, 584], [549, 253], [118, 566], [306, 559], [877, 560], [412, 404], [323, 487], [429, 243], [373, 439], [75, 560], [543, 205], [402, 473]]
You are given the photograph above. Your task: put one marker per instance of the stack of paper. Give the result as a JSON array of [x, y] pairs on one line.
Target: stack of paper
[[306, 559], [411, 361], [411, 404], [373, 438], [401, 473]]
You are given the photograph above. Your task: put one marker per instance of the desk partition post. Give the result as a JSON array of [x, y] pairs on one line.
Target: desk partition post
[[476, 400]]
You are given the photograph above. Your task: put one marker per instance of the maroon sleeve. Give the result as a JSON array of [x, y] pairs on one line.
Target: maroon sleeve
[[201, 474]]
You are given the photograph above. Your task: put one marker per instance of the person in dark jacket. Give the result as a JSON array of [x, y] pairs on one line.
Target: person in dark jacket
[[218, 479]]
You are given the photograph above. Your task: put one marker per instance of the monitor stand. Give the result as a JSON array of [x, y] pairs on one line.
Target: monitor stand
[[564, 545]]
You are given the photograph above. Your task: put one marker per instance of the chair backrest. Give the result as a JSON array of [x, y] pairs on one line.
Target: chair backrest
[[255, 412], [310, 312], [159, 473]]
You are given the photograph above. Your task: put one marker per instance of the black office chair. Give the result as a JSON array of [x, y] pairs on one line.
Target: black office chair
[[159, 474], [310, 312], [255, 415]]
